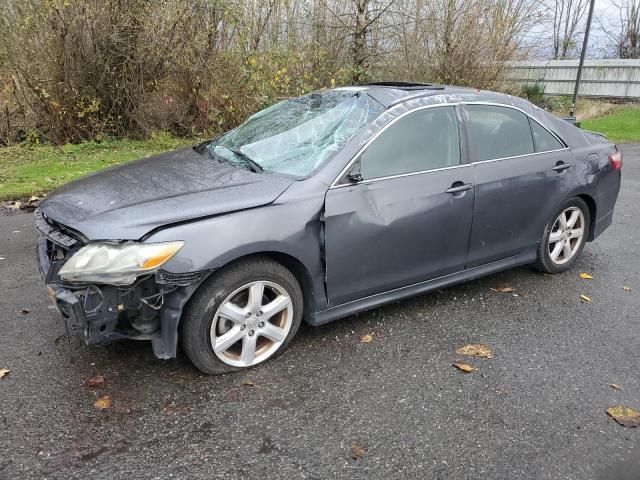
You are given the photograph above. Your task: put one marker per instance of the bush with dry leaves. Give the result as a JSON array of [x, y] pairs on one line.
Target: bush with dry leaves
[[71, 71]]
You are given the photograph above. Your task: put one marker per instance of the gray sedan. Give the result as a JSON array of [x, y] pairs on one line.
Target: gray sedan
[[316, 208]]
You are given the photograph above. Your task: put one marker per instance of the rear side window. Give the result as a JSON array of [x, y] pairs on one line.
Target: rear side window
[[498, 132], [543, 140], [423, 140]]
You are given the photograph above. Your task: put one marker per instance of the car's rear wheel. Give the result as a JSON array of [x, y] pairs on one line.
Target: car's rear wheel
[[243, 315], [564, 237]]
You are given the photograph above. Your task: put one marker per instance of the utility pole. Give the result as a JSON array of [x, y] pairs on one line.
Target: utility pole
[[585, 42]]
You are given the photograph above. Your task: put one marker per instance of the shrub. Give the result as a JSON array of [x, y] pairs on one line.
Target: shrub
[[534, 92], [82, 69]]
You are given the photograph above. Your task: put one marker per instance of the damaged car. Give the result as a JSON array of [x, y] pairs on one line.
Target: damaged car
[[316, 208]]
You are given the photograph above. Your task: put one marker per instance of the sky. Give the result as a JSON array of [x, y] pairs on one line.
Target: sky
[[606, 19]]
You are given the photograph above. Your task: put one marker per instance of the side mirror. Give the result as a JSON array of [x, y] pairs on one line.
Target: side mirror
[[354, 175]]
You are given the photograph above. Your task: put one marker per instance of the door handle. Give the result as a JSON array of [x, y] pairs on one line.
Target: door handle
[[561, 166], [458, 187]]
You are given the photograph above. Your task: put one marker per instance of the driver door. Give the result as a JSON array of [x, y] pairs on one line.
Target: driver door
[[402, 213]]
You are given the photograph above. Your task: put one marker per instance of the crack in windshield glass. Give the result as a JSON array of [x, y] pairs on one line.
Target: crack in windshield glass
[[298, 135]]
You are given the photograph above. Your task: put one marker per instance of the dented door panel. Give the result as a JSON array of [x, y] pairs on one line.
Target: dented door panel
[[393, 232]]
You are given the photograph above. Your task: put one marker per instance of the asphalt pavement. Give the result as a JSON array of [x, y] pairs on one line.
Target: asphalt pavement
[[534, 411]]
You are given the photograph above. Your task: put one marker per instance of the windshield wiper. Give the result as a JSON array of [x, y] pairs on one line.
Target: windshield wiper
[[246, 159], [249, 162], [201, 147]]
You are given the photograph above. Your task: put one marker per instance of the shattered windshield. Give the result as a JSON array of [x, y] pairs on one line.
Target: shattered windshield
[[298, 135]]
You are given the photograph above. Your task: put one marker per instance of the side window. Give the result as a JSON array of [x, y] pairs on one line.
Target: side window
[[543, 140], [498, 132], [422, 140]]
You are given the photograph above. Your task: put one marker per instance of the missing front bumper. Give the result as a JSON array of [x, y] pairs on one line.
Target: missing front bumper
[[104, 313], [149, 309]]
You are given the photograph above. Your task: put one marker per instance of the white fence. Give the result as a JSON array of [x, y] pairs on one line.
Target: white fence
[[600, 78]]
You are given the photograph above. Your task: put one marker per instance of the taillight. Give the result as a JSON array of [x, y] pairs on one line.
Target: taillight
[[615, 159]]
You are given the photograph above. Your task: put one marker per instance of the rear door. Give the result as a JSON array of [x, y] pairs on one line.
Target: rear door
[[522, 172], [402, 212]]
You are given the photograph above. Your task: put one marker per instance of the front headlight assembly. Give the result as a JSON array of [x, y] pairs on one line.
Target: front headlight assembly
[[117, 264]]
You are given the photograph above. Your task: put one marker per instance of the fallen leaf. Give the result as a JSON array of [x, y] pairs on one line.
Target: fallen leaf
[[584, 298], [503, 289], [368, 338], [90, 455], [103, 402], [585, 276], [464, 367], [501, 390], [94, 382], [475, 350], [4, 372], [249, 383], [181, 375], [175, 408], [26, 311], [615, 386], [625, 416], [357, 450], [626, 289]]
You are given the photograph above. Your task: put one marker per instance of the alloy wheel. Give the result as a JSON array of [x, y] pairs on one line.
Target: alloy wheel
[[566, 235], [251, 323]]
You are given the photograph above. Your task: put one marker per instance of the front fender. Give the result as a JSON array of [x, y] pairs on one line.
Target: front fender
[[292, 229]]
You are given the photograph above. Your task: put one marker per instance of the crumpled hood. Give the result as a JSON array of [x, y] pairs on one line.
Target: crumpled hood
[[127, 201]]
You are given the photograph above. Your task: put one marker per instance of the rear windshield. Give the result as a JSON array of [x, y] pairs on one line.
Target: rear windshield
[[299, 135]]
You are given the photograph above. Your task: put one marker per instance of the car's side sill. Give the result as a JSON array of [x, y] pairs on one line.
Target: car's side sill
[[340, 311]]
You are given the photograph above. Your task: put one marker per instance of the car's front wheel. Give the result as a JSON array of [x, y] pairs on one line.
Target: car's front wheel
[[564, 237], [243, 315]]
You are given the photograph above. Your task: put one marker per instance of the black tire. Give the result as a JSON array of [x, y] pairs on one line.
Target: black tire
[[198, 316], [544, 262]]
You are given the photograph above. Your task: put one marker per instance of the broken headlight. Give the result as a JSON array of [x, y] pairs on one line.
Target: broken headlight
[[117, 264]]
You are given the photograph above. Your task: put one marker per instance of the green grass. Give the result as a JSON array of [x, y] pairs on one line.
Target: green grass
[[620, 126], [27, 171]]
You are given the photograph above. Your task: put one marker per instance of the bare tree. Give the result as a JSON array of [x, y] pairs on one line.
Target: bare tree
[[459, 42], [78, 70], [627, 36], [360, 34], [567, 16]]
